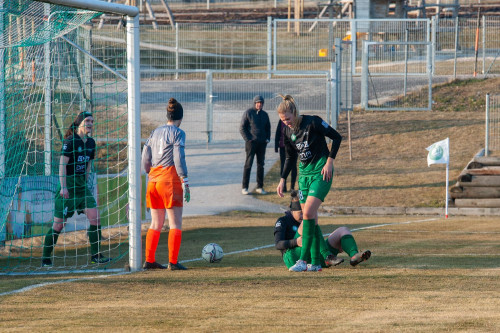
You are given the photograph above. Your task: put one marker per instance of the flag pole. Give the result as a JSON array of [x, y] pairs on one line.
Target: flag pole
[[446, 203]]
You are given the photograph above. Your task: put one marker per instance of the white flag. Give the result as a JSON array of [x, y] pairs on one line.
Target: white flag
[[439, 152]]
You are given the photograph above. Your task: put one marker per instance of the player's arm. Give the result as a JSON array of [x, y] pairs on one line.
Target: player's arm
[[63, 162], [146, 158], [290, 160], [280, 241]]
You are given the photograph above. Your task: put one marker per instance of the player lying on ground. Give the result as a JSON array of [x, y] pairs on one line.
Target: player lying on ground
[[288, 239]]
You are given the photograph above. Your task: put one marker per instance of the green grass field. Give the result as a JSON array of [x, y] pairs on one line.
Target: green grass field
[[426, 274]]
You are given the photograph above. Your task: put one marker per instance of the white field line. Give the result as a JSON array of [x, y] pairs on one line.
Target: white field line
[[121, 271], [39, 285]]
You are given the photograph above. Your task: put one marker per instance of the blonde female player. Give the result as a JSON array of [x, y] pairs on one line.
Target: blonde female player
[[306, 135], [164, 160]]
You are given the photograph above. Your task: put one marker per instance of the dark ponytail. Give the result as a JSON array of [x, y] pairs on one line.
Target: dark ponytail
[[174, 110]]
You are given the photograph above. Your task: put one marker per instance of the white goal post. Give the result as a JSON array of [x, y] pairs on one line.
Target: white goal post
[[134, 115]]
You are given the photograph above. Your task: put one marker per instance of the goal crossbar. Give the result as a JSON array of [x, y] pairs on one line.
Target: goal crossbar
[[98, 6]]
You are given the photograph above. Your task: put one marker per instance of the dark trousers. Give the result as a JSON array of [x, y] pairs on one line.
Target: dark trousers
[[252, 149], [293, 172]]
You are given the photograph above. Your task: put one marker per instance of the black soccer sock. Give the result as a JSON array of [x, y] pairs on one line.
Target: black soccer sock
[[49, 242]]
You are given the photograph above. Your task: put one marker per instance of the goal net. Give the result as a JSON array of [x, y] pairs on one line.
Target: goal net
[[51, 69]]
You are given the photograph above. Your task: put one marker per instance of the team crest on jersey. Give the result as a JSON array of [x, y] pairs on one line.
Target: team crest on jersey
[[79, 149], [325, 124], [293, 137], [295, 228]]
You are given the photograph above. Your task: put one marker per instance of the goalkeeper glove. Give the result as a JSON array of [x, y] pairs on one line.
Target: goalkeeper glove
[[185, 188]]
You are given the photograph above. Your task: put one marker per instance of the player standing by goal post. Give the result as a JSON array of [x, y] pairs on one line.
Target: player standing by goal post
[[163, 158], [73, 194], [306, 135]]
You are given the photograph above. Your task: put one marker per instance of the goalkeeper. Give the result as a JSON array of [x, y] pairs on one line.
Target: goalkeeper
[[288, 239], [163, 158], [73, 194]]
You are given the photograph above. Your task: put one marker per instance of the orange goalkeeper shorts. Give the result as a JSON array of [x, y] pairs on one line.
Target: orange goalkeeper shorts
[[161, 195]]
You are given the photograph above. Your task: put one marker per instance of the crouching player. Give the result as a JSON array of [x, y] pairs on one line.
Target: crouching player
[[288, 239]]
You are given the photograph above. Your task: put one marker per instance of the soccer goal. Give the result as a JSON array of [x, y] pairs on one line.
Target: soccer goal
[[52, 69]]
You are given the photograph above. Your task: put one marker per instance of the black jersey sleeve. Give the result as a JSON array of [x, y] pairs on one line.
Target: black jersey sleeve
[[92, 147], [291, 157], [67, 148], [280, 241], [328, 131]]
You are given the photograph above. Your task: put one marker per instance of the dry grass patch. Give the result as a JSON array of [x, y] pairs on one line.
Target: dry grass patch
[[426, 274]]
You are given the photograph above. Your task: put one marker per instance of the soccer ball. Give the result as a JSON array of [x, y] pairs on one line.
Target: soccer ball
[[212, 253]]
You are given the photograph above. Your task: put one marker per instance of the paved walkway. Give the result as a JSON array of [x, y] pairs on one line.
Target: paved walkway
[[215, 175]]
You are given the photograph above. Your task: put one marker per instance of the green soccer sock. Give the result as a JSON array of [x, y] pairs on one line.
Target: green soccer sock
[[49, 242], [308, 227], [315, 247], [323, 248], [349, 245], [94, 234]]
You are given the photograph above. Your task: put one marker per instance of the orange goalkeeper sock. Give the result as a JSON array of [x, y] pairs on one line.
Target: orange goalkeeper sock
[[152, 239], [174, 244]]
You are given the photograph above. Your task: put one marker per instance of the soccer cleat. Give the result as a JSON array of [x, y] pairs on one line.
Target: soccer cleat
[[260, 191], [244, 191], [99, 259], [360, 257], [176, 267], [153, 265], [46, 262], [314, 268], [300, 266], [332, 260]]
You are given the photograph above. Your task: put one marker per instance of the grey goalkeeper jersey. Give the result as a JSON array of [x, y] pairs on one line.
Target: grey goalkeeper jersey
[[165, 147]]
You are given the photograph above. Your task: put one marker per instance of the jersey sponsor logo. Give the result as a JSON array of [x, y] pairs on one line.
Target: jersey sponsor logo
[[79, 167], [301, 196], [325, 124], [83, 158]]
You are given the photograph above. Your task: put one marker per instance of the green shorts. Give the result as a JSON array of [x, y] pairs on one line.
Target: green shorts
[[79, 199], [311, 182]]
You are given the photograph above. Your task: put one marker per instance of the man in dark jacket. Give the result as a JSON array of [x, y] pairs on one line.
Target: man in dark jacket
[[255, 129]]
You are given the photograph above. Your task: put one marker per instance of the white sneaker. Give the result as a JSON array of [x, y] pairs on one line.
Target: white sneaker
[[260, 191], [314, 268], [300, 266], [244, 191]]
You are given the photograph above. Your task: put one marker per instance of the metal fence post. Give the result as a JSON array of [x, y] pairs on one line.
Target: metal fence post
[[364, 75], [484, 41], [456, 49], [176, 50], [209, 105], [430, 70], [487, 131], [269, 45], [354, 39], [433, 40], [275, 43], [334, 94]]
